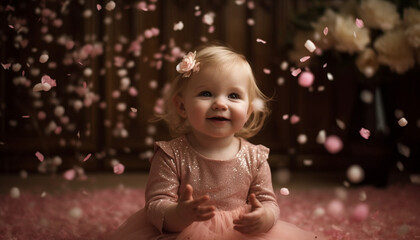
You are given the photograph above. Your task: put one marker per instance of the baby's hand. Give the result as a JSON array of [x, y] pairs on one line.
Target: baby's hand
[[256, 221], [194, 209]]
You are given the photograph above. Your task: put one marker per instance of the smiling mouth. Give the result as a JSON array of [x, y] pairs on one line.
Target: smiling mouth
[[219, 119]]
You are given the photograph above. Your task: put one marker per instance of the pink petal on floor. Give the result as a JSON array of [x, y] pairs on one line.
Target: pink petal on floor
[[39, 156], [87, 157], [365, 133], [119, 168], [69, 174]]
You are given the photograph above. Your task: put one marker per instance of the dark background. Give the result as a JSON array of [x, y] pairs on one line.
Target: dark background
[[96, 128]]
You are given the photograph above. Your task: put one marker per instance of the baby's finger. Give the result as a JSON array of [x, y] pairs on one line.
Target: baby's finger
[[187, 193], [246, 229], [205, 209], [254, 201], [199, 201]]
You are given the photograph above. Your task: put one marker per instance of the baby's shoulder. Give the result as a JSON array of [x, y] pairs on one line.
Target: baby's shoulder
[[171, 147], [256, 152]]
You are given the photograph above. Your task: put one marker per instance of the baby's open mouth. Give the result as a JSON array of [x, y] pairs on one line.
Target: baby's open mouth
[[218, 119]]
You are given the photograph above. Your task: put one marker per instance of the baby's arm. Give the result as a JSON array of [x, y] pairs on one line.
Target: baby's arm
[[186, 211], [264, 207], [167, 211]]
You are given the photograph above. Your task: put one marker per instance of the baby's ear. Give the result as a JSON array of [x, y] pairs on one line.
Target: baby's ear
[[179, 105]]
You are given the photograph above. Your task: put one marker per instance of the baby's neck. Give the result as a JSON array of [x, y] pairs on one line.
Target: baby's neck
[[215, 148]]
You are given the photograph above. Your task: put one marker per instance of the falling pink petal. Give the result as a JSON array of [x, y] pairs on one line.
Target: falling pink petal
[[87, 157], [333, 144], [306, 79], [325, 65], [69, 174], [284, 191], [99, 7], [133, 109], [402, 122], [359, 23], [6, 65], [266, 71], [11, 26], [294, 119], [49, 80], [365, 133], [285, 116], [39, 156], [119, 168], [325, 31], [261, 41], [26, 116], [296, 72], [304, 59]]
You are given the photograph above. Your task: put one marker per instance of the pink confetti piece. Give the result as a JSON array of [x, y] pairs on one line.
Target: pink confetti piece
[[304, 59], [325, 31], [296, 72], [402, 122], [261, 41], [119, 168], [87, 157], [49, 80], [306, 79], [39, 156], [6, 66], [294, 119], [333, 144], [365, 133], [359, 23], [284, 191], [69, 174]]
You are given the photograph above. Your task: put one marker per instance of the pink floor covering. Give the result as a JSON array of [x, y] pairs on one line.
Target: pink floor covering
[[394, 213]]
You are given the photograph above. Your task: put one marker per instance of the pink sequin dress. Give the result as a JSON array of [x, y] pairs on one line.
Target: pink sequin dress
[[227, 182]]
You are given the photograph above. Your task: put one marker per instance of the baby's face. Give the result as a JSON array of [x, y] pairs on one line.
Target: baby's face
[[216, 103]]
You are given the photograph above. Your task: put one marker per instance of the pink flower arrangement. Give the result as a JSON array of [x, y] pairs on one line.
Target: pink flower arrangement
[[188, 65]]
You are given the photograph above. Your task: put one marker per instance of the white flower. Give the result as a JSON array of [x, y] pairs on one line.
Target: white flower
[[379, 14], [393, 50], [350, 38]]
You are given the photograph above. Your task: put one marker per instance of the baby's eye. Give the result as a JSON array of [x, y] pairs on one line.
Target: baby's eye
[[205, 94], [234, 96]]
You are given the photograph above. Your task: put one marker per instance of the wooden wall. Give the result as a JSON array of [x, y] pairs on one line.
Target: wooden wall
[[97, 128]]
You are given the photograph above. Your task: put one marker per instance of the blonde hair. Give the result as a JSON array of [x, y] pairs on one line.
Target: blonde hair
[[221, 57]]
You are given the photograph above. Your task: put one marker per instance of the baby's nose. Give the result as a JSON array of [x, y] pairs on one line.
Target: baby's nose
[[219, 104]]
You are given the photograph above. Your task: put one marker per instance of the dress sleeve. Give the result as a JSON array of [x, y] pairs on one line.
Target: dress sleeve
[[162, 187], [262, 185]]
